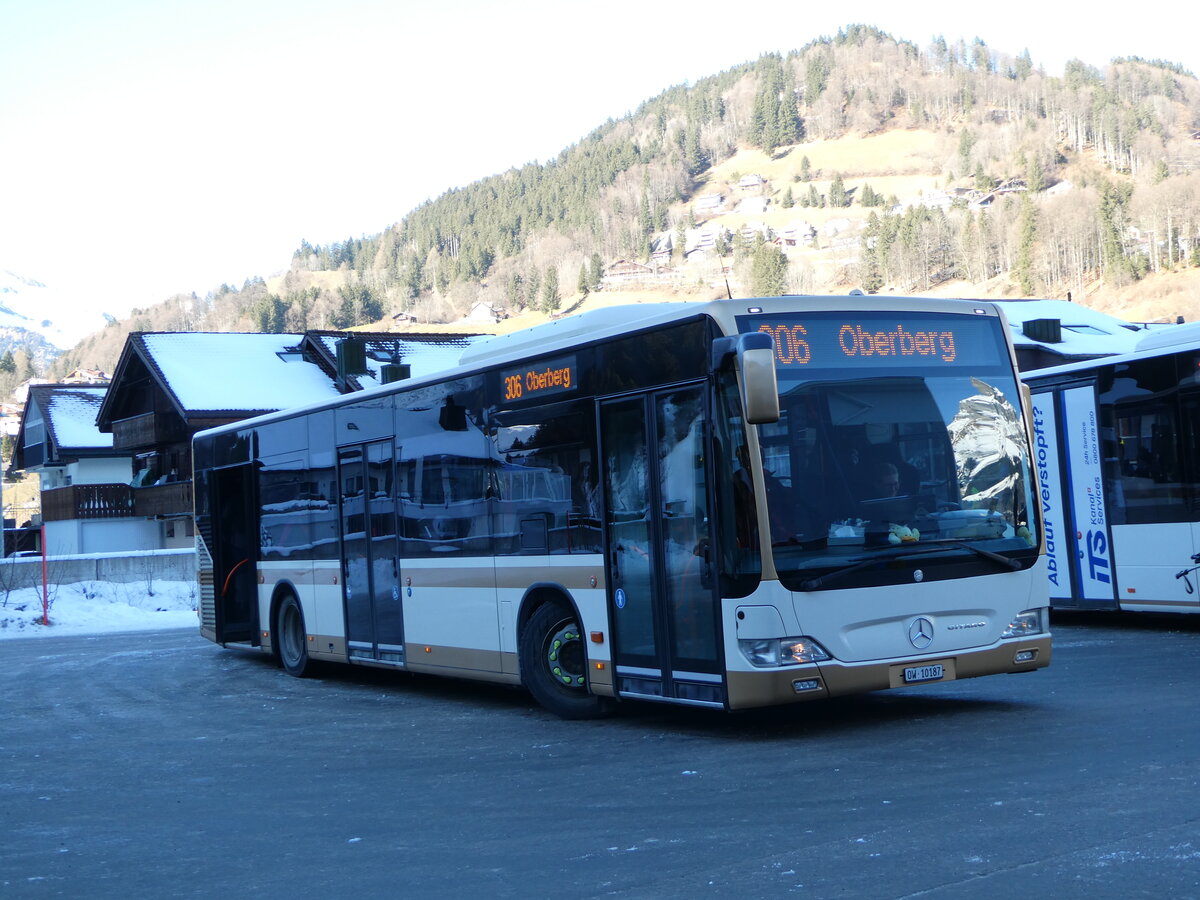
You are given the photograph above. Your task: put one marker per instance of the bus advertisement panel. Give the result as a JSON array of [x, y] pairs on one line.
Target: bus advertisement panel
[[1048, 460], [1093, 554]]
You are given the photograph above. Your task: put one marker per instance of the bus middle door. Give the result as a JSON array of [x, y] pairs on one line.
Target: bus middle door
[[662, 591], [370, 578]]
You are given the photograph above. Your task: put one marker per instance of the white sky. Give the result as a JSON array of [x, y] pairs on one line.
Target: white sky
[[150, 147]]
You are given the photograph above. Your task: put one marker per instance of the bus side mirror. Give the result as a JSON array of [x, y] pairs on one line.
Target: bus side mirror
[[754, 359]]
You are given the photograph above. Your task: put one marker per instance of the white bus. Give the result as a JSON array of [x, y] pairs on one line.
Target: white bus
[[728, 504], [1118, 464]]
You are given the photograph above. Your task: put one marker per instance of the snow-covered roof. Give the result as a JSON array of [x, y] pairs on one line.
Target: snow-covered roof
[[1085, 332], [70, 415], [425, 354], [236, 372]]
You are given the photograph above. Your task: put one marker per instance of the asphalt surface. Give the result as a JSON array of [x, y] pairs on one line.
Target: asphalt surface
[[159, 765]]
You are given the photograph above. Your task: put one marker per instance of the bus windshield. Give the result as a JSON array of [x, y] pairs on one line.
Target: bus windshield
[[895, 434]]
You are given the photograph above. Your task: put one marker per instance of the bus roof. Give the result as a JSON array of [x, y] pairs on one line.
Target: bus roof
[[1154, 343], [611, 321]]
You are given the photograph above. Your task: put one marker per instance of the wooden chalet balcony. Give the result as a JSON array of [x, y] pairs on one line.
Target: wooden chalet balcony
[[87, 501], [170, 499], [148, 430]]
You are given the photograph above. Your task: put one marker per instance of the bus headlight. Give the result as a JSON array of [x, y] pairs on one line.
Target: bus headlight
[[782, 652], [1024, 624]]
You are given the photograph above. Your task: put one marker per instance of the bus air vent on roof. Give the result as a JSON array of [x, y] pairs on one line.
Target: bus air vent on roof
[[1047, 331]]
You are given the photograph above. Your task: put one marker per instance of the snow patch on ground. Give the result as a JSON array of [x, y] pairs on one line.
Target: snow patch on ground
[[96, 607]]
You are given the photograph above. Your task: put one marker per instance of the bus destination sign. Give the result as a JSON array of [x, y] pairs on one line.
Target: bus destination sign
[[541, 379], [825, 340]]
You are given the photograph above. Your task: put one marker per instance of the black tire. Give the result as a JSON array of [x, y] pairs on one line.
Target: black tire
[[554, 664], [291, 639]]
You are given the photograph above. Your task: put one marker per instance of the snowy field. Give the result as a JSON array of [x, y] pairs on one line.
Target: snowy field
[[94, 607]]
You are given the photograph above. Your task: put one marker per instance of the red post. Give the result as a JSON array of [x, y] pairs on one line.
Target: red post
[[45, 585]]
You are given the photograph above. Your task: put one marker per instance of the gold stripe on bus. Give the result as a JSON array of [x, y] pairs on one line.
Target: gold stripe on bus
[[1191, 603], [447, 575]]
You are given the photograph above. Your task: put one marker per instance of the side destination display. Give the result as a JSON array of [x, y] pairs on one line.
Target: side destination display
[[541, 379]]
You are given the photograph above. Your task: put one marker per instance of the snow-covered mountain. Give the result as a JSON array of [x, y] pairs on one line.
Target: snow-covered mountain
[[33, 307]]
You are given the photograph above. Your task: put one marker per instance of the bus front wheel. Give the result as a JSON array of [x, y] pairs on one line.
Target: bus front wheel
[[554, 664], [291, 637]]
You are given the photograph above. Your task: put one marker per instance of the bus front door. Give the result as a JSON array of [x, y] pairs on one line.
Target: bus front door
[[662, 592], [370, 574]]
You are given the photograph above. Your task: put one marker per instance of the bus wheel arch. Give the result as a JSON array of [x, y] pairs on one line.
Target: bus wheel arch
[[289, 641], [553, 655]]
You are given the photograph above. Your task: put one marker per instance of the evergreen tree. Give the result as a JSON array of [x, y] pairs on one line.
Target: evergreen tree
[[870, 271], [512, 291], [1035, 178], [816, 75], [1024, 65], [837, 192], [788, 200], [551, 299], [582, 285], [805, 169], [768, 270], [596, 271], [8, 365], [1114, 199], [533, 286], [788, 127], [1027, 236]]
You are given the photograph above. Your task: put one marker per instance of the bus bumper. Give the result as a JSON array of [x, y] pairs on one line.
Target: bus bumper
[[835, 679]]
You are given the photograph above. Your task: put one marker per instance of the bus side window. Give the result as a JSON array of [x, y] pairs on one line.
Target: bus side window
[[443, 464], [547, 491]]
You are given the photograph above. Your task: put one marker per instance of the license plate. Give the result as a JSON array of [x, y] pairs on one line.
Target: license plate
[[923, 673]]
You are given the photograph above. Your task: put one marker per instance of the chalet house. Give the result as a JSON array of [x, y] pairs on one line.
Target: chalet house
[[797, 234], [751, 230], [986, 199], [704, 240], [751, 182], [709, 204], [168, 386], [625, 269], [484, 312], [87, 503], [87, 376]]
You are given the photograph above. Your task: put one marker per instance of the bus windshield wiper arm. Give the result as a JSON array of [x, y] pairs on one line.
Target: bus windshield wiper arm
[[885, 553], [820, 581], [1007, 561]]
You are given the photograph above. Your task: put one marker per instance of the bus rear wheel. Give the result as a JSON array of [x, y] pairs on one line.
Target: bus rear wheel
[[554, 664], [291, 637]]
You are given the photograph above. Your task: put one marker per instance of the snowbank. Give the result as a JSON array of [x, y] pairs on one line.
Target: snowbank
[[94, 607]]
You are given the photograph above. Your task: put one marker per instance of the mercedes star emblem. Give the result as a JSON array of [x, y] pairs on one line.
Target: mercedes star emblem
[[920, 633]]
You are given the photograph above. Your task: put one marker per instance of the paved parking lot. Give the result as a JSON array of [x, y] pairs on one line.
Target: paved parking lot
[[162, 765]]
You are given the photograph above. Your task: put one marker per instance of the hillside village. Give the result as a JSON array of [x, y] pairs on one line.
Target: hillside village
[[860, 160]]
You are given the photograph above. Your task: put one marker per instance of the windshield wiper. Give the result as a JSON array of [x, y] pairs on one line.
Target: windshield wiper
[[1006, 561], [902, 553]]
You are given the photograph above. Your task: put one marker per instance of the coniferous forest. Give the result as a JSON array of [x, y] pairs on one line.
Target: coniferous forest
[[1036, 185]]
